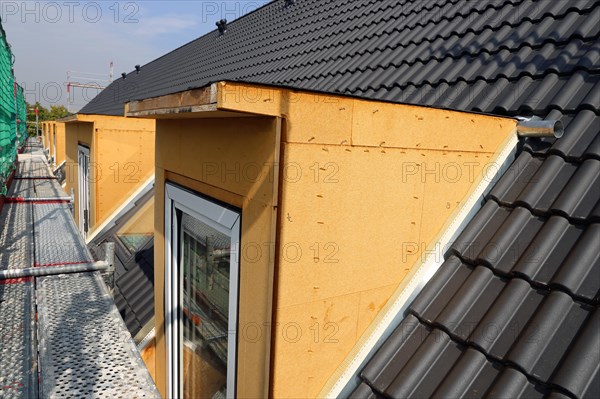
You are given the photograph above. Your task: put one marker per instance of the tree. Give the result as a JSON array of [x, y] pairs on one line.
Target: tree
[[43, 113], [57, 112]]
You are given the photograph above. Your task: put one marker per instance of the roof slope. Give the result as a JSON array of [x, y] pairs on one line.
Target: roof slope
[[501, 56], [134, 270]]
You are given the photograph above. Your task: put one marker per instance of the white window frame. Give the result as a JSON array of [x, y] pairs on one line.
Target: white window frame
[[228, 222], [54, 146], [84, 189]]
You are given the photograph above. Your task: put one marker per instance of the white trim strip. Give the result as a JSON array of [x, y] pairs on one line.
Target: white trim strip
[[122, 209], [147, 339]]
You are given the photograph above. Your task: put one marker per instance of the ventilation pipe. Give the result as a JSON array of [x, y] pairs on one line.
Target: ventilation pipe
[[222, 26], [540, 128]]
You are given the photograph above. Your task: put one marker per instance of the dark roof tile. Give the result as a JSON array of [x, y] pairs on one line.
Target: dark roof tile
[[550, 185], [423, 372], [452, 274], [442, 368], [476, 235], [579, 197], [395, 353], [506, 318], [513, 384], [547, 251], [579, 373], [546, 184], [557, 395], [580, 272], [364, 392], [509, 240], [515, 179], [546, 338]]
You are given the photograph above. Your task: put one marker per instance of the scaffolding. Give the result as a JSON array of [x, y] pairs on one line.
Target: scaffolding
[[61, 334]]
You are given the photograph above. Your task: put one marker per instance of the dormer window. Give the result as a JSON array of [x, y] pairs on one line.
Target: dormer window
[[202, 268]]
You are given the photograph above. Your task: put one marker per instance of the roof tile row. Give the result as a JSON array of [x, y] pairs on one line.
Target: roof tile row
[[384, 50], [424, 361], [547, 251], [551, 185]]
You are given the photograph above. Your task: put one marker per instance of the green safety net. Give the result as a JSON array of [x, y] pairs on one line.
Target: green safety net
[[13, 113], [21, 116]]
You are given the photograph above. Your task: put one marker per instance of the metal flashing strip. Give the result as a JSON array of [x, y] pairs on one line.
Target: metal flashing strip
[[57, 240], [16, 240], [63, 163], [147, 338], [127, 205], [85, 348], [393, 313], [18, 353]]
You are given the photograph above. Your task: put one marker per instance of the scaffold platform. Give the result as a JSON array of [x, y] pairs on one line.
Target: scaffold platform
[[60, 335]]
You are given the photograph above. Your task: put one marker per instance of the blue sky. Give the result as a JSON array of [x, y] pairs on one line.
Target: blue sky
[[49, 38]]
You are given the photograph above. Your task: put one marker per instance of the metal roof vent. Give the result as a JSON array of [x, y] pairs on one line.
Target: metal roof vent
[[289, 3], [540, 128], [222, 26], [124, 75], [137, 68]]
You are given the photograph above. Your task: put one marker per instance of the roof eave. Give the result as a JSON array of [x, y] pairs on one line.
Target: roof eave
[[175, 105]]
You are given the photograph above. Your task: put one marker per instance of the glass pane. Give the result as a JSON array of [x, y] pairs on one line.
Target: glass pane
[[139, 228], [206, 267]]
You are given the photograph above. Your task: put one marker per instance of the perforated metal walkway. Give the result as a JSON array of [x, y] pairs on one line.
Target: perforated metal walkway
[[83, 346], [18, 371]]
